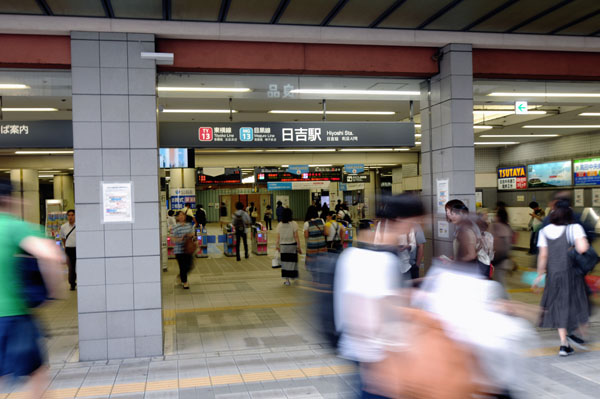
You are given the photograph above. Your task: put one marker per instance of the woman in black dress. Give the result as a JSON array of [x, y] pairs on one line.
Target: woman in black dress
[[564, 301]]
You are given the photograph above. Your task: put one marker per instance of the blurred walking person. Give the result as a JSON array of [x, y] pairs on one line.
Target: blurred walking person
[[288, 245], [334, 231], [268, 218], [21, 352], [181, 232], [314, 236], [564, 302], [503, 239], [536, 222]]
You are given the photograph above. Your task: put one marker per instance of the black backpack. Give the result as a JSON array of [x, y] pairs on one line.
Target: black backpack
[[238, 223]]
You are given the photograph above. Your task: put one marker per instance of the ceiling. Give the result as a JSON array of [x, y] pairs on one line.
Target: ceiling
[[552, 17]]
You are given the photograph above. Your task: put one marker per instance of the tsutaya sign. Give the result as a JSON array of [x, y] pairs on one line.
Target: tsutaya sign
[[514, 178], [287, 134], [36, 134]]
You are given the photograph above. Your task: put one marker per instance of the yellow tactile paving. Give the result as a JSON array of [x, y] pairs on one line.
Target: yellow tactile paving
[[129, 388], [194, 382], [161, 385], [18, 395], [318, 371], [257, 377], [61, 393], [285, 374], [344, 369], [226, 379], [103, 390]]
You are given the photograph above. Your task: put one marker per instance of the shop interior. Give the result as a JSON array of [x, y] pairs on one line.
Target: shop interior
[[229, 305]]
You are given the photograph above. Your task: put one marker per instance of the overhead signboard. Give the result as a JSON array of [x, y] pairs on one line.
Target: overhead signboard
[[512, 178], [551, 174], [298, 185], [354, 168], [362, 178], [287, 134], [520, 107], [36, 134], [351, 186], [587, 171], [310, 176], [297, 169], [231, 176]]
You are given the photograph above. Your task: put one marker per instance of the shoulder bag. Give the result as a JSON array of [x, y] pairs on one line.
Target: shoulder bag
[[582, 263]]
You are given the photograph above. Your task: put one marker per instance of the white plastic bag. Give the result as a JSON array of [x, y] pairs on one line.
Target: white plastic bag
[[276, 261]]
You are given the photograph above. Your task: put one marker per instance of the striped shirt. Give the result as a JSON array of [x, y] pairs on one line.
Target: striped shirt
[[179, 231]]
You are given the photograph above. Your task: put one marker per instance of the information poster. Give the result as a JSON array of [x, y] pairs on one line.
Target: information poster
[[443, 229], [513, 178], [479, 199], [578, 200], [587, 171], [551, 174], [285, 200], [596, 197], [443, 187], [117, 202], [181, 196]]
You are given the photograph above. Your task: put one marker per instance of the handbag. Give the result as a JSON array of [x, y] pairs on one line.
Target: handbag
[[33, 290], [582, 263], [190, 245], [276, 261]]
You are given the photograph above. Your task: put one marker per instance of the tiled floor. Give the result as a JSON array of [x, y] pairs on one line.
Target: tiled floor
[[240, 333]]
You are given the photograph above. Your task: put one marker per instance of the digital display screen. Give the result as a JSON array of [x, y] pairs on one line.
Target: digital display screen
[[231, 176], [311, 176], [173, 157], [551, 174]]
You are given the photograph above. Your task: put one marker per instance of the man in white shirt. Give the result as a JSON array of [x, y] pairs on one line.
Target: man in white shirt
[[67, 236]]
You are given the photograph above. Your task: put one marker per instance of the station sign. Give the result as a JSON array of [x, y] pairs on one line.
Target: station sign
[[297, 169], [36, 134], [286, 134], [586, 171], [361, 178], [513, 178], [354, 168]]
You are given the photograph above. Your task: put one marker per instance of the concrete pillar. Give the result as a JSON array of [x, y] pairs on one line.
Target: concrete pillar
[[64, 190], [370, 194], [447, 139], [182, 178], [26, 192], [115, 140]]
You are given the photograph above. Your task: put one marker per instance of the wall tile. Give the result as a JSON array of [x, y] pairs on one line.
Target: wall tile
[[119, 270], [114, 81], [134, 49], [146, 242], [144, 162], [91, 272], [147, 296], [121, 348], [148, 322], [142, 81], [92, 326], [93, 350], [87, 135], [90, 244], [115, 108], [113, 36], [88, 217], [116, 163], [149, 346], [142, 108], [84, 35], [85, 80], [86, 108], [119, 297], [145, 188], [118, 243], [113, 54], [143, 134], [87, 163], [120, 324], [87, 189], [85, 53], [115, 135], [146, 215], [91, 298], [140, 37], [146, 269]]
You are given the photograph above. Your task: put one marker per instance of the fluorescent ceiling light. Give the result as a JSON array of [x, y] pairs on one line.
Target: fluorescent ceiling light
[[383, 164], [506, 113], [13, 86], [248, 180], [206, 89], [285, 111], [49, 171], [198, 111], [515, 94], [590, 114], [358, 92], [42, 152], [417, 125], [401, 149], [417, 143], [519, 135], [418, 135], [496, 142], [482, 127], [285, 166], [366, 149], [304, 150], [561, 127], [320, 166], [45, 176], [29, 109]]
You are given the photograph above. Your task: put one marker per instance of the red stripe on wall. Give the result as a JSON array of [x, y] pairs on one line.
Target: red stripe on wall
[[35, 51]]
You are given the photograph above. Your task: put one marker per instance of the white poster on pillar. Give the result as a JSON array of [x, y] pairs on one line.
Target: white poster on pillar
[[117, 202], [443, 190]]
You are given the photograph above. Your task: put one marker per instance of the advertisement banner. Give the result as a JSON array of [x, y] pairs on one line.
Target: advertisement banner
[[587, 171], [354, 168], [513, 178], [286, 134], [181, 196], [551, 174], [279, 185]]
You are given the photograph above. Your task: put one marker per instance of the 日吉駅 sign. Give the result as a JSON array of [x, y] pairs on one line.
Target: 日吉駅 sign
[[287, 134]]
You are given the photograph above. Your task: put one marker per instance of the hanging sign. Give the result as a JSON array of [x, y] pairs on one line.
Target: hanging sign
[[354, 168], [587, 171], [362, 178], [513, 178], [279, 185], [117, 202], [287, 134], [182, 196], [297, 169], [36, 134], [351, 186]]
